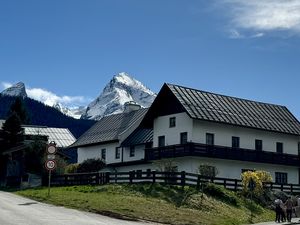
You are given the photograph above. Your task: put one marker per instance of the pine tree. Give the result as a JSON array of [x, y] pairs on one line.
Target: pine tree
[[19, 108], [13, 132]]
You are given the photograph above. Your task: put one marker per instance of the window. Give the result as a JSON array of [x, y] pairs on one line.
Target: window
[[131, 151], [235, 142], [118, 152], [103, 154], [172, 121], [161, 141], [210, 139], [258, 145], [279, 147], [280, 178], [183, 138]]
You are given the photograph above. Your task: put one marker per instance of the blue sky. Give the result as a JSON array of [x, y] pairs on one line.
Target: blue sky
[[248, 49]]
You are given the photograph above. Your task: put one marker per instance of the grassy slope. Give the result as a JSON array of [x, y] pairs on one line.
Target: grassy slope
[[171, 205]]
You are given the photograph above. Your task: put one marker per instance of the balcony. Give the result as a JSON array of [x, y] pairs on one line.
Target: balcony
[[221, 152]]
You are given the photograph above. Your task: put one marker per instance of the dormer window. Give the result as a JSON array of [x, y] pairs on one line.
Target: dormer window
[[172, 121]]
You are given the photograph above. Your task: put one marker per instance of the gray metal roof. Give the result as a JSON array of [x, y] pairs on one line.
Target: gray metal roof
[[224, 109], [61, 136], [109, 128], [139, 136]]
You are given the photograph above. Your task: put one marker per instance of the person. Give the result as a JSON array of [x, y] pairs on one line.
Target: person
[[289, 208], [278, 210]]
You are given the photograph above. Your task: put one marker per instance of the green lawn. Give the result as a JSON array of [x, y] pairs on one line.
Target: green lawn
[[165, 204]]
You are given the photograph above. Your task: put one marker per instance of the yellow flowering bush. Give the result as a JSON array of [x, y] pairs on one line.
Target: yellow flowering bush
[[259, 177]]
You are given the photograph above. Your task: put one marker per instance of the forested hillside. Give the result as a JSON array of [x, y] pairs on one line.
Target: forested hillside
[[40, 114]]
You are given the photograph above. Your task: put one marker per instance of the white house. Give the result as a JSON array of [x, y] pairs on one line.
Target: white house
[[192, 127]]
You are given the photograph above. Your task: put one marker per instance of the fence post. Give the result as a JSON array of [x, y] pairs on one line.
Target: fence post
[[235, 185], [281, 187], [107, 178], [66, 180], [198, 182], [224, 183], [182, 179], [153, 176], [291, 188], [97, 178], [131, 175]]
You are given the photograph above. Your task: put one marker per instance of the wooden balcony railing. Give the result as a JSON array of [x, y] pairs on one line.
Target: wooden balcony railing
[[221, 152]]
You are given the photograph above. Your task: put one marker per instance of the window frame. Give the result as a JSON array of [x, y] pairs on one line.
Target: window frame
[[172, 122], [132, 151], [257, 148], [212, 136], [118, 153], [103, 154], [281, 178], [236, 142], [183, 138], [279, 149], [160, 138]]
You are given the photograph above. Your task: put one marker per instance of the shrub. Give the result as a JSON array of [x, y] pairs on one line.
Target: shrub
[[208, 170], [71, 168], [90, 165], [221, 193], [259, 177]]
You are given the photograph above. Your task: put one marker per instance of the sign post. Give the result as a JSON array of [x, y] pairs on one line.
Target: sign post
[[50, 163], [251, 187]]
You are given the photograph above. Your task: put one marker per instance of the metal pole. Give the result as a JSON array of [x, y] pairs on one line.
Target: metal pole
[[49, 183]]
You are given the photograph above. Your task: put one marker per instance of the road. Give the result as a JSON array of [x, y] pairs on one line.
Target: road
[[16, 210]]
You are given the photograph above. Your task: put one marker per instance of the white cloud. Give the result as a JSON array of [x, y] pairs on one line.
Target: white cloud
[[50, 98], [6, 85], [261, 16], [234, 34]]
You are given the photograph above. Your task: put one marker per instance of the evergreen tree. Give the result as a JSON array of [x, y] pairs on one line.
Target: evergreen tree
[[19, 108], [13, 132]]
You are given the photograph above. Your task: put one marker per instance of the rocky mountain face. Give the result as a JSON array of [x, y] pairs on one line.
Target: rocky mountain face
[[75, 112], [122, 88], [17, 90]]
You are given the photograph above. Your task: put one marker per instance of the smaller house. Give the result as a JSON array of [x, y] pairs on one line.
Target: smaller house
[[12, 163]]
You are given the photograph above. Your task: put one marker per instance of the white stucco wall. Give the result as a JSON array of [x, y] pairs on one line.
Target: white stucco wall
[[227, 168], [223, 133], [223, 136], [94, 151], [89, 152], [139, 153], [172, 134]]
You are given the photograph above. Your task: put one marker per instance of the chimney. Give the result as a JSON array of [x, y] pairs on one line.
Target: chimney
[[131, 106]]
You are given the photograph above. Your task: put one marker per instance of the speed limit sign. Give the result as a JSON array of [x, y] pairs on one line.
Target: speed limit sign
[[50, 164]]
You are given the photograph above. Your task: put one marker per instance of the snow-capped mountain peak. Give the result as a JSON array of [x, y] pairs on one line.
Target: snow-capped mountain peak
[[17, 89], [74, 112], [122, 88]]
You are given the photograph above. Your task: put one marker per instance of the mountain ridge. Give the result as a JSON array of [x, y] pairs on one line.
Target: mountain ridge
[[120, 89]]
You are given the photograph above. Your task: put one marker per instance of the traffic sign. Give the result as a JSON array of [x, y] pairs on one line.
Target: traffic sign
[[50, 164], [51, 157], [51, 148]]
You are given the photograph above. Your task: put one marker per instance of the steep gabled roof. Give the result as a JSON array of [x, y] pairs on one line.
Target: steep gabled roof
[[109, 128], [218, 108]]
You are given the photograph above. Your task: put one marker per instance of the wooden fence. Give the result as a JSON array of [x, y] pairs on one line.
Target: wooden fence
[[173, 178]]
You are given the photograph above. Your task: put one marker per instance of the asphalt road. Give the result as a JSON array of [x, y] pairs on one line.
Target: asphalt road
[[16, 210]]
